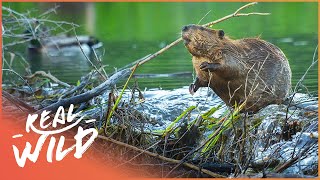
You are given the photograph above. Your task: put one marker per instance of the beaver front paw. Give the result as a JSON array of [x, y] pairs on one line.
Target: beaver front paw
[[205, 66], [192, 89], [196, 85]]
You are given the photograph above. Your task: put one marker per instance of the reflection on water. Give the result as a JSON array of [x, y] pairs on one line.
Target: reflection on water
[[130, 31]]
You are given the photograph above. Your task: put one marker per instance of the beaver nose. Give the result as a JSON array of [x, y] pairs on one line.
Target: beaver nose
[[185, 28]]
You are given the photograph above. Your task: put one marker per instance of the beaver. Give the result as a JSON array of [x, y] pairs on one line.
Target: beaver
[[248, 70]]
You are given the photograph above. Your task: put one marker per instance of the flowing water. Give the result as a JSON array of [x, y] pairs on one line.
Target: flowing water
[[130, 31]]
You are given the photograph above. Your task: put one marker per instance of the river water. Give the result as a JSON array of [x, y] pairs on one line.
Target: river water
[[130, 31]]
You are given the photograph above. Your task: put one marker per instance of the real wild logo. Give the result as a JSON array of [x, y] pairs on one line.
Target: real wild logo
[[45, 123]]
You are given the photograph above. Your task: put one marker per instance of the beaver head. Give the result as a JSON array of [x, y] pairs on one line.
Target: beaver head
[[201, 41]]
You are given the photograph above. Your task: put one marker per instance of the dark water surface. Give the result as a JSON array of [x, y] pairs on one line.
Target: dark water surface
[[130, 31]]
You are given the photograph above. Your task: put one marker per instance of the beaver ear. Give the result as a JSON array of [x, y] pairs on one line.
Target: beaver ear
[[221, 34]]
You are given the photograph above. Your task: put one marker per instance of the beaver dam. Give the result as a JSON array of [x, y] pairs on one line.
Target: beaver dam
[[156, 132]]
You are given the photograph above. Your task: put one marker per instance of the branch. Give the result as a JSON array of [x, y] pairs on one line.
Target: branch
[[292, 161], [245, 6], [44, 74], [104, 76], [89, 94], [19, 103], [25, 18], [210, 173]]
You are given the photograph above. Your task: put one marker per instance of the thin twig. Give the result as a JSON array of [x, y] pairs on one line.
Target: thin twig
[[293, 160], [299, 83], [204, 17], [139, 154], [314, 61], [14, 72], [87, 58]]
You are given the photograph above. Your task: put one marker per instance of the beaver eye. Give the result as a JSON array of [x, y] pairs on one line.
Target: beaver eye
[[221, 34]]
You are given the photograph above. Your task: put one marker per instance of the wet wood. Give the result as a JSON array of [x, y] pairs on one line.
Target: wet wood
[[84, 97]]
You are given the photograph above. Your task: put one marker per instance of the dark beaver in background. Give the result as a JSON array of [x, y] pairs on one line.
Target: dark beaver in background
[[237, 70]]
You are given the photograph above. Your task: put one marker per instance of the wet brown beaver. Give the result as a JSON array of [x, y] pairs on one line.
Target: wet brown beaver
[[248, 69]]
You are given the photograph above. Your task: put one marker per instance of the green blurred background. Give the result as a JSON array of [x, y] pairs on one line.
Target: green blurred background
[[131, 31]]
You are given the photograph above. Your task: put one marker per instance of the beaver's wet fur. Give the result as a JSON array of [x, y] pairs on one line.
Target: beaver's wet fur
[[248, 69]]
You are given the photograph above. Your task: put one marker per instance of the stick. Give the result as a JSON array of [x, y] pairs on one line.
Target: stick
[[118, 99], [235, 14], [44, 74], [210, 173], [292, 161], [84, 82], [104, 76], [17, 102]]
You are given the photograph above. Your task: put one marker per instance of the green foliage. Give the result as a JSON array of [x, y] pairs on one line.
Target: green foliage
[[170, 127], [225, 125], [207, 116]]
